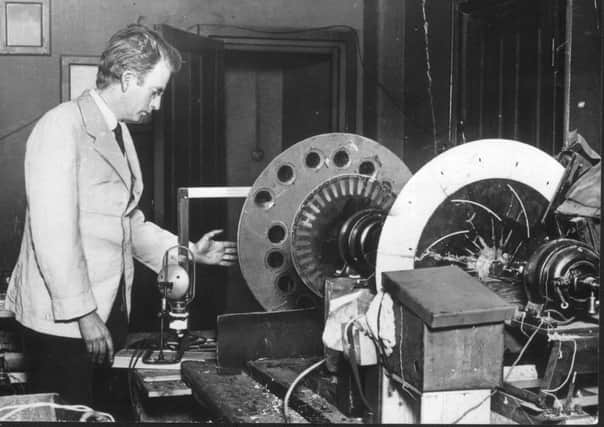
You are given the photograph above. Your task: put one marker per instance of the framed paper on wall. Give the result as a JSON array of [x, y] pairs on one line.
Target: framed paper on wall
[[78, 73], [25, 27]]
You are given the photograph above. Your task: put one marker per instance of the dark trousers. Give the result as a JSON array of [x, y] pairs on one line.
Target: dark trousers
[[62, 365]]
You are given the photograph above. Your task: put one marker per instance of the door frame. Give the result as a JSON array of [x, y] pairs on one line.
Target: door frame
[[341, 44]]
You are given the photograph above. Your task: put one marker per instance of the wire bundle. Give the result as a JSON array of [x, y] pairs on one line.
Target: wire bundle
[[87, 411], [139, 350], [458, 419]]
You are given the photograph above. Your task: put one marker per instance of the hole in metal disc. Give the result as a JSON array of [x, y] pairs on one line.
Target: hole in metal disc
[[313, 160], [367, 168], [341, 158], [277, 233], [264, 199], [275, 259], [286, 284], [285, 174]]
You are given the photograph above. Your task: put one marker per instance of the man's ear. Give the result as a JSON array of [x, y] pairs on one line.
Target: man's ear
[[128, 78]]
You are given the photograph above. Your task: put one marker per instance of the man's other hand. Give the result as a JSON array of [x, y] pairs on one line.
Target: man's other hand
[[213, 252], [97, 338]]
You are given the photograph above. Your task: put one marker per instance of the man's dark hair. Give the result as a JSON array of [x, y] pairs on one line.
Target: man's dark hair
[[135, 48]]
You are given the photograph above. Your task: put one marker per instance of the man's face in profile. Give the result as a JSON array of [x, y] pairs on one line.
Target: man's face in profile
[[143, 95]]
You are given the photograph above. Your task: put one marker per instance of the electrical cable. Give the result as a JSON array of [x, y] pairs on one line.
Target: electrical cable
[[355, 368], [400, 346], [378, 322], [293, 385], [407, 387], [564, 321], [14, 409], [570, 371], [138, 351], [556, 400], [548, 328], [20, 128], [522, 324], [551, 310], [395, 102], [466, 412], [429, 76]]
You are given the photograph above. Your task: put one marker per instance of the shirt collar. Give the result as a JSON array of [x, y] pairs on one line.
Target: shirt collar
[[108, 115]]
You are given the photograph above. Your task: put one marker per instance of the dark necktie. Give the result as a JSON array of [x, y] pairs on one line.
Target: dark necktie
[[119, 138], [120, 141]]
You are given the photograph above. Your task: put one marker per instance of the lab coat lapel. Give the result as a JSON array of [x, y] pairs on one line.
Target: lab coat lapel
[[105, 143]]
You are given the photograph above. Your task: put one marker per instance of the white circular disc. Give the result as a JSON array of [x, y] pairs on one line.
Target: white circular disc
[[447, 173]]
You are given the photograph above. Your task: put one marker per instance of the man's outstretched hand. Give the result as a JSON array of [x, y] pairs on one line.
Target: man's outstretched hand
[[214, 252]]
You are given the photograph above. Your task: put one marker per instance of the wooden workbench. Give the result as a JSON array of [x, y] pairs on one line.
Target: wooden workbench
[[201, 393], [196, 392], [161, 395], [234, 398], [256, 394], [158, 392]]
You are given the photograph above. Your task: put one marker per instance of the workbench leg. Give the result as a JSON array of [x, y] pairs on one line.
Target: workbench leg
[[137, 402]]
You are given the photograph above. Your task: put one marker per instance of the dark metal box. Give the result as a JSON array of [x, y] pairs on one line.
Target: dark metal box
[[449, 329]]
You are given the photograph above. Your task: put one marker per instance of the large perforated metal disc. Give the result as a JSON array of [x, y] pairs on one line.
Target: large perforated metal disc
[[480, 198], [279, 194]]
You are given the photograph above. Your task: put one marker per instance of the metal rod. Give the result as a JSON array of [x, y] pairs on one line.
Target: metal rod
[[538, 89], [452, 62], [567, 71], [482, 84], [216, 192], [183, 217], [463, 77], [555, 77], [516, 85], [600, 20], [500, 89]]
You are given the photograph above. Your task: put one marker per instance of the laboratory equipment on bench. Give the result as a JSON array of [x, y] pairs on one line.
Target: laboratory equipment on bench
[[176, 284]]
